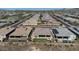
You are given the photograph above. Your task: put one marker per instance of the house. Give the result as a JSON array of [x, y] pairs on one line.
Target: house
[[5, 32], [44, 33], [20, 34], [63, 34]]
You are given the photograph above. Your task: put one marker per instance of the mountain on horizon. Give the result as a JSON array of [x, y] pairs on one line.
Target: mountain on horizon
[[31, 9]]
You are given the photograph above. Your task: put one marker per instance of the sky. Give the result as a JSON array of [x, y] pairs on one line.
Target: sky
[[31, 8]]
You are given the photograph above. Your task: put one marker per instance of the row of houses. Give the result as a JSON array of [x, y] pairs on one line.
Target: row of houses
[[49, 20], [8, 21], [32, 21], [23, 33]]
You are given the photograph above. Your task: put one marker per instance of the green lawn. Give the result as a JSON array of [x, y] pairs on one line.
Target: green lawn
[[40, 40]]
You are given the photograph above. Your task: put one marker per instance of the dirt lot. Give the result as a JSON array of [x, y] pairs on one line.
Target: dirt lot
[[31, 46]]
